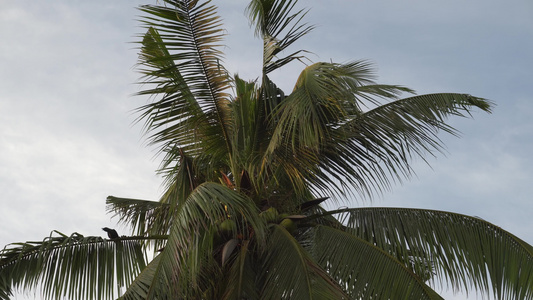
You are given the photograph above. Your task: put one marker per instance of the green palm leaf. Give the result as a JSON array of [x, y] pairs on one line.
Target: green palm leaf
[[289, 272], [180, 57], [72, 266], [376, 147], [323, 137], [364, 270], [324, 97], [464, 251], [140, 287], [241, 281], [146, 218], [187, 266], [279, 28]]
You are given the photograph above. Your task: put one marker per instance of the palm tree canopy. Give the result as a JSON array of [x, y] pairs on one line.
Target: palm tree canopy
[[246, 168]]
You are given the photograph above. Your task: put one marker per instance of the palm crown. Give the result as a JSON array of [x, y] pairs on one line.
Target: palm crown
[[247, 167]]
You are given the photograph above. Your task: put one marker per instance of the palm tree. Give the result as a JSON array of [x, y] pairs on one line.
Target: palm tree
[[247, 168]]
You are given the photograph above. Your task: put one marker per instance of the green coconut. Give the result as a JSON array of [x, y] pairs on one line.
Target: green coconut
[[228, 226], [289, 224], [270, 215]]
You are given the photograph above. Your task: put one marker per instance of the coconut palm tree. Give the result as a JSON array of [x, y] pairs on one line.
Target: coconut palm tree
[[247, 168]]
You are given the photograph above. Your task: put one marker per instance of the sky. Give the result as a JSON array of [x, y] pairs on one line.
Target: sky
[[68, 136]]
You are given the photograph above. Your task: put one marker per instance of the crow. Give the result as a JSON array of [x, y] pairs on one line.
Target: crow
[[111, 233]]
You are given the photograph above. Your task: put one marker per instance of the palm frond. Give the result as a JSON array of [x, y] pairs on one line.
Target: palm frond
[[241, 282], [75, 266], [247, 120], [310, 124], [463, 251], [376, 147], [140, 287], [188, 267], [146, 218], [362, 269], [291, 273], [279, 27], [182, 173], [180, 58], [250, 136], [322, 97], [5, 287]]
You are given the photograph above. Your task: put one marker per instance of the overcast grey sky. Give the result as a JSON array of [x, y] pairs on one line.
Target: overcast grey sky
[[67, 138]]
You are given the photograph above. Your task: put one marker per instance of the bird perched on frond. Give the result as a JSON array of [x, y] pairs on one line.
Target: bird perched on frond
[[111, 233]]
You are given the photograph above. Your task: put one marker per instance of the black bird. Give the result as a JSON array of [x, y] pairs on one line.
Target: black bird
[[111, 233]]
